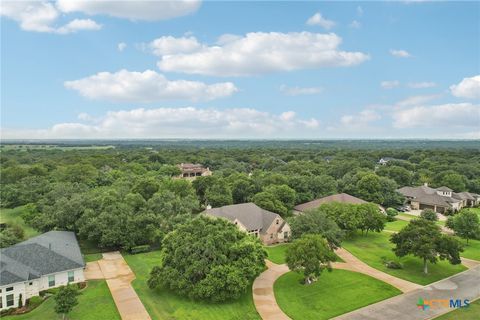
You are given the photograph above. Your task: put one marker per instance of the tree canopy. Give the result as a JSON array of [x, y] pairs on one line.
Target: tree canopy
[[208, 259], [422, 238]]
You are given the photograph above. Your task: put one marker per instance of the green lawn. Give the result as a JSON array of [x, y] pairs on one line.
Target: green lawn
[[94, 303], [276, 254], [92, 257], [334, 293], [396, 225], [12, 216], [370, 249], [163, 304], [470, 313], [472, 250]]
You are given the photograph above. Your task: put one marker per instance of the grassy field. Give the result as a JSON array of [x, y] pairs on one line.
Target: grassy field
[[12, 216], [334, 293], [94, 303], [162, 304], [370, 249], [276, 254], [470, 313], [396, 225]]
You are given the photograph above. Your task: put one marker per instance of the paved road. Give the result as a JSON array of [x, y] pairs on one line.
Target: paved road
[[465, 285], [352, 263], [263, 296], [118, 274]]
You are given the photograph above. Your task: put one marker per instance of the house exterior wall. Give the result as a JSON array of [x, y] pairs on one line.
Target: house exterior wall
[[284, 233], [274, 234], [32, 288]]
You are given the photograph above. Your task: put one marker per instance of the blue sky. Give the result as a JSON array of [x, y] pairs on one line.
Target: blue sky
[[196, 69]]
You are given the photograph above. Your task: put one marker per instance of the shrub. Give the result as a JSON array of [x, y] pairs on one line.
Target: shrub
[[429, 214], [139, 249], [393, 265], [391, 213], [34, 302]]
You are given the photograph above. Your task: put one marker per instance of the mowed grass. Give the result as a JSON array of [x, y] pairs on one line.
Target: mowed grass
[[92, 257], [94, 303], [334, 293], [276, 254], [163, 304], [472, 250], [13, 216], [396, 225], [370, 249], [472, 312]]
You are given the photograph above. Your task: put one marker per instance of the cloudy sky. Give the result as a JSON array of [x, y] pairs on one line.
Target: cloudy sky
[[192, 69]]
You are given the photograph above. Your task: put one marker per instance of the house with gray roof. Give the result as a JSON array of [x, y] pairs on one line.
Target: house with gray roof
[[340, 197], [50, 260], [248, 217], [438, 199]]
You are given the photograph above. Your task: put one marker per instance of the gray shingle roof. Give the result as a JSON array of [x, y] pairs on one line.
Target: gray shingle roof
[[249, 214], [51, 252], [341, 197], [443, 188], [427, 195]]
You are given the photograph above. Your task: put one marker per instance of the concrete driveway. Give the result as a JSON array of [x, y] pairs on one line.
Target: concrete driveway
[[118, 274], [465, 285]]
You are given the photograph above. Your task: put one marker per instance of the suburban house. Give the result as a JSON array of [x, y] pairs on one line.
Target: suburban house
[[341, 197], [191, 171], [248, 217], [440, 199], [384, 161], [50, 260]]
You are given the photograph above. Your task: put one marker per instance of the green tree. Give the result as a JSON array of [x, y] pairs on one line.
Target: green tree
[[429, 214], [466, 224], [370, 218], [454, 181], [11, 235], [317, 222], [309, 255], [270, 202], [65, 300], [219, 194], [422, 238], [146, 187], [344, 214], [283, 193], [208, 259]]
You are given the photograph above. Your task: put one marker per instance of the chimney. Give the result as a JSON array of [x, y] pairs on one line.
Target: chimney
[[49, 246]]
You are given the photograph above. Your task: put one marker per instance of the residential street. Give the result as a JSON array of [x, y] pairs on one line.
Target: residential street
[[465, 285]]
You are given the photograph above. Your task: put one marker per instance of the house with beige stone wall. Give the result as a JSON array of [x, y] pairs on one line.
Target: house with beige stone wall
[[268, 226]]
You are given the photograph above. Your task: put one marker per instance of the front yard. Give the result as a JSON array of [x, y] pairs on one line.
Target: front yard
[[334, 293], [370, 249], [472, 312], [276, 253], [163, 304], [94, 303]]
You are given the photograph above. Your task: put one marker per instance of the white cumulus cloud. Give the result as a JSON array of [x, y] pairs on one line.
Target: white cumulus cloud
[[133, 10], [184, 122], [147, 86], [171, 45], [468, 88], [438, 116], [363, 118], [389, 84], [41, 16], [318, 20], [400, 53], [121, 46], [259, 53]]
